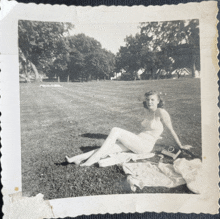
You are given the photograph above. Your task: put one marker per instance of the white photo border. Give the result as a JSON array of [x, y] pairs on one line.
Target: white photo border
[[206, 12]]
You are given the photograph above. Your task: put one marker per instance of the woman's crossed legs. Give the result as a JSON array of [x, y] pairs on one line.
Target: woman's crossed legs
[[128, 142]]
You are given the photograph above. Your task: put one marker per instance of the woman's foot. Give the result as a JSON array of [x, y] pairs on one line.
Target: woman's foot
[[71, 160]]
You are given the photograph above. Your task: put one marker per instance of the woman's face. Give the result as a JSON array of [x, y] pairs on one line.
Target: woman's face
[[152, 101]]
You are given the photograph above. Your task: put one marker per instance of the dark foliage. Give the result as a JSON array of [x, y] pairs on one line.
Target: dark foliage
[[159, 49]]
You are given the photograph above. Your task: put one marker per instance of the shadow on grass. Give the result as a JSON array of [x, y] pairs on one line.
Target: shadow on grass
[[93, 135], [62, 164], [50, 80], [83, 149], [88, 148]]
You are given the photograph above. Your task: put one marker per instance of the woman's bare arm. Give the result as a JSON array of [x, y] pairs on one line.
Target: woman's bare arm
[[165, 117]]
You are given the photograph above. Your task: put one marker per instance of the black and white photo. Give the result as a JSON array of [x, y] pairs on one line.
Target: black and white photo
[[113, 108]]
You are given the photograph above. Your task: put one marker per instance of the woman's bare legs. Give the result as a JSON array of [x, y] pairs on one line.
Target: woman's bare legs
[[118, 147], [130, 142], [79, 158]]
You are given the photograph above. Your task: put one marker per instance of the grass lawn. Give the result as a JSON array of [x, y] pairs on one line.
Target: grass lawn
[[77, 117]]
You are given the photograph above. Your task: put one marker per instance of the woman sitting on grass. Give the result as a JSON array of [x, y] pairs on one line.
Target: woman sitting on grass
[[120, 140]]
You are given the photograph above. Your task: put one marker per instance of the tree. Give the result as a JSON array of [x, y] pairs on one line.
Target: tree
[[175, 36], [159, 48], [43, 45], [87, 59], [137, 54], [81, 48]]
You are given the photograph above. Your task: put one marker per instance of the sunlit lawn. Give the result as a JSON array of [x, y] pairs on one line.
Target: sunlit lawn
[[78, 116]]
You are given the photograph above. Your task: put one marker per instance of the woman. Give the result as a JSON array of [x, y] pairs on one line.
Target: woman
[[120, 140]]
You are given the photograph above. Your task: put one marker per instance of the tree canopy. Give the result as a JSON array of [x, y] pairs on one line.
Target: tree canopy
[[46, 47], [42, 45], [87, 59], [160, 46]]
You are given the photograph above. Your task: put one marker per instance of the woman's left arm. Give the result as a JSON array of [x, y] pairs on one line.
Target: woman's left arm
[[165, 117]]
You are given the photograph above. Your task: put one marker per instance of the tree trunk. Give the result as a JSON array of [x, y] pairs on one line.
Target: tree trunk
[[89, 77], [193, 66], [37, 76], [58, 79], [152, 73], [25, 68], [178, 73], [68, 78], [158, 74], [24, 64]]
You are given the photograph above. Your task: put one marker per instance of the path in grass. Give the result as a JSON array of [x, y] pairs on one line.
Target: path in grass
[[77, 117]]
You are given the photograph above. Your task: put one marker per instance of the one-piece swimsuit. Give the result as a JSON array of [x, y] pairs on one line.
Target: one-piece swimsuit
[[154, 129]]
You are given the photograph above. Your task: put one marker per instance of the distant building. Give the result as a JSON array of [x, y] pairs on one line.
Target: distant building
[[181, 72], [117, 75]]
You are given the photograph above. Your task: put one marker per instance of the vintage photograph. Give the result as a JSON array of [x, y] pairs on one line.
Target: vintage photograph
[[109, 109], [100, 116]]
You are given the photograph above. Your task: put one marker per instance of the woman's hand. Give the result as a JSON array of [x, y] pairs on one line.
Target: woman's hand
[[186, 147]]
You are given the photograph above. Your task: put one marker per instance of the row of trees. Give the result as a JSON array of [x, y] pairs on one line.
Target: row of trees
[[160, 48], [46, 48]]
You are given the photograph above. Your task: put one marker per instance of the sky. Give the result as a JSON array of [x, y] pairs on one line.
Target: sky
[[110, 35], [110, 25]]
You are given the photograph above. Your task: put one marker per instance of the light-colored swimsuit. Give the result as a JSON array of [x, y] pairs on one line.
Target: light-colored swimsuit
[[154, 130]]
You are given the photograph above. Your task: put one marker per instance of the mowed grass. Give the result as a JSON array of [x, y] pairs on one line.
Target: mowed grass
[[77, 117]]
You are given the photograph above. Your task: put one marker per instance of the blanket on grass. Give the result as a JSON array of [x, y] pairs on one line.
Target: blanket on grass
[[141, 174], [167, 175]]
